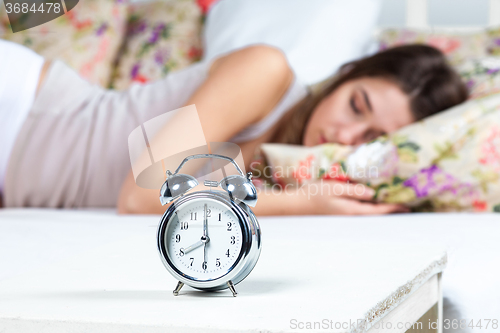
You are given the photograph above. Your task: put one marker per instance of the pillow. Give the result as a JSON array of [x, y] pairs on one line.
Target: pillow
[[87, 38], [494, 42], [458, 47], [481, 75], [472, 54], [447, 162], [162, 37], [316, 36]]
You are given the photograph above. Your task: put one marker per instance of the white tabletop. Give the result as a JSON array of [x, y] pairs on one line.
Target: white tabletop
[[95, 268]]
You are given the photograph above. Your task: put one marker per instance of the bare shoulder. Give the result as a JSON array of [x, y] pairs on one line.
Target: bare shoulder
[[260, 70], [258, 56]]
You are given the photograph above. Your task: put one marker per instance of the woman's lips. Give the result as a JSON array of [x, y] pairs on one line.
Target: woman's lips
[[322, 139]]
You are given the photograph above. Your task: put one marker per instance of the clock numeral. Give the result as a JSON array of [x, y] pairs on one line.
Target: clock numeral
[[233, 240], [192, 260], [204, 265], [181, 252], [193, 215], [177, 238], [227, 253], [184, 225], [209, 212], [220, 216], [229, 225], [217, 262]]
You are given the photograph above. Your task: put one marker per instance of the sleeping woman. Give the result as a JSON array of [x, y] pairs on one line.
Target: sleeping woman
[[63, 141]]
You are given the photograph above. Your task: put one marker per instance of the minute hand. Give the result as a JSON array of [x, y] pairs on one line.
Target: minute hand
[[205, 238], [205, 223]]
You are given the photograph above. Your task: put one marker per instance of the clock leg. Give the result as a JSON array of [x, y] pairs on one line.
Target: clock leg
[[231, 287], [178, 288]]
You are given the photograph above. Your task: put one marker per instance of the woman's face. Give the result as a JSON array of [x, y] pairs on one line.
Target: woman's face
[[358, 111]]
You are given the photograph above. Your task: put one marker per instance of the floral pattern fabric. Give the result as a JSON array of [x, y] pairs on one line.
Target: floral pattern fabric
[[87, 38], [447, 162], [458, 47], [481, 75], [476, 56], [162, 37]]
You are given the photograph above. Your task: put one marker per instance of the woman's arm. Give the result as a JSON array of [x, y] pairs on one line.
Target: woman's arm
[[241, 88], [323, 198]]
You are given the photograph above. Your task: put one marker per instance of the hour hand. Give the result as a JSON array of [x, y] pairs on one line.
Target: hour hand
[[194, 246]]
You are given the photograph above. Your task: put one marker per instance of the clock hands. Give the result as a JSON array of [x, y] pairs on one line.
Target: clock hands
[[205, 238]]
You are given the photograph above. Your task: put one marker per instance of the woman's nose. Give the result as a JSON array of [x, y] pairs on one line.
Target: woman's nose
[[351, 134]]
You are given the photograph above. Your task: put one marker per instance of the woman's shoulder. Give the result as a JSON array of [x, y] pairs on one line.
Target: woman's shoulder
[[253, 79], [260, 58]]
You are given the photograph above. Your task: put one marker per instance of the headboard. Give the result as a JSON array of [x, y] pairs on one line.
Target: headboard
[[441, 14]]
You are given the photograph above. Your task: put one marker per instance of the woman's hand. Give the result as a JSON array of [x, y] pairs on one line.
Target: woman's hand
[[339, 198], [323, 197]]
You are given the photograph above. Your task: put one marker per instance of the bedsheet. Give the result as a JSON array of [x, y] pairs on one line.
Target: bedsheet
[[470, 282]]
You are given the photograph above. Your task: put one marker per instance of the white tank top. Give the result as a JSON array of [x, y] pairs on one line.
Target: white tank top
[[19, 73]]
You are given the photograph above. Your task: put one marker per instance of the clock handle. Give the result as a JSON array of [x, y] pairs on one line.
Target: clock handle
[[237, 186]]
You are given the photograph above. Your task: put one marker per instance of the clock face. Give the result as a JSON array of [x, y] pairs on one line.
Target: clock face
[[203, 239]]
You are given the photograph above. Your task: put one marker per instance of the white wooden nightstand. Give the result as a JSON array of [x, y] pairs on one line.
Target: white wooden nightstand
[[93, 271]]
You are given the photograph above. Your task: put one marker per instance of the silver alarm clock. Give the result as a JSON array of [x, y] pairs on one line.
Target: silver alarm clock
[[211, 239]]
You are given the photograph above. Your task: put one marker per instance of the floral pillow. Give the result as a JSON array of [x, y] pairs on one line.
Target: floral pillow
[[162, 37], [458, 47], [476, 56], [87, 38], [494, 42], [447, 162], [482, 76]]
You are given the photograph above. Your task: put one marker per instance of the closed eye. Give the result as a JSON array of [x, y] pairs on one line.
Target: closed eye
[[354, 107]]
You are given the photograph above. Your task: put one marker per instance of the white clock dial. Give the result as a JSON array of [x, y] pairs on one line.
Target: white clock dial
[[203, 239]]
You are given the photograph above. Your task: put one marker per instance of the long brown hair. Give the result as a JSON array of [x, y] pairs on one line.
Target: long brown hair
[[421, 71]]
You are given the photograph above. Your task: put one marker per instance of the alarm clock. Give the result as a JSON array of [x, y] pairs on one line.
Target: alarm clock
[[209, 239]]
